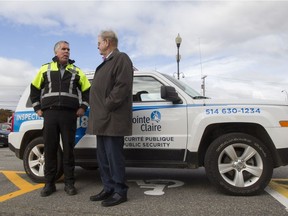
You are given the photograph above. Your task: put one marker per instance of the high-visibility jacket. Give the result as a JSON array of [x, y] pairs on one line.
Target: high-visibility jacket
[[49, 89]]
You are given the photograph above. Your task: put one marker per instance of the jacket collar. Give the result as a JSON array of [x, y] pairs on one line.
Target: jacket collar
[[113, 53], [55, 59]]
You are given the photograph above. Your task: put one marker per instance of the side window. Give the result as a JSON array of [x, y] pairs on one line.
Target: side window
[[146, 88]]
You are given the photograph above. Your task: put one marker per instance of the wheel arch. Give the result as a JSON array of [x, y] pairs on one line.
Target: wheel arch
[[27, 138], [214, 131]]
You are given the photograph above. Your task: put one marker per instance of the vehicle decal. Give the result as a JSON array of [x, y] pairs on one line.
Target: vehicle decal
[[139, 108], [148, 141], [147, 123], [233, 110], [21, 117], [82, 122]]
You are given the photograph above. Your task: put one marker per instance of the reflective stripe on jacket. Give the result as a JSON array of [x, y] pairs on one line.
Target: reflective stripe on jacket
[[50, 89]]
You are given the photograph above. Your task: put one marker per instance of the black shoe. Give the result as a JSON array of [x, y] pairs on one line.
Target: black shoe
[[48, 190], [70, 189], [114, 199], [101, 196]]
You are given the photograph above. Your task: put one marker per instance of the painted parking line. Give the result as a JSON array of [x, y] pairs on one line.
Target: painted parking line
[[23, 185], [278, 188]]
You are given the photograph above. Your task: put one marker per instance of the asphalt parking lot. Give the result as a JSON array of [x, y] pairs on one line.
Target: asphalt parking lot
[[151, 192]]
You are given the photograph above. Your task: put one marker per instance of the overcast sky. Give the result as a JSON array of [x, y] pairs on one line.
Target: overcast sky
[[241, 46]]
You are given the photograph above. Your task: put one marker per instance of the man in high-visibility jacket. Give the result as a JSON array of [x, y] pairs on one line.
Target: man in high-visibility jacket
[[55, 97]]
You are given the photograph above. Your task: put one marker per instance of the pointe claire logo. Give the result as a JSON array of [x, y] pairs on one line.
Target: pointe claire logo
[[151, 122], [156, 116]]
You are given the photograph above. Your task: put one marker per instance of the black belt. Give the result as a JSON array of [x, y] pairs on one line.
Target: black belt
[[57, 108], [60, 108]]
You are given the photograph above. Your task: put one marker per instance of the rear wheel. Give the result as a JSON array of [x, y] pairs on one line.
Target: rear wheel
[[239, 164], [34, 161]]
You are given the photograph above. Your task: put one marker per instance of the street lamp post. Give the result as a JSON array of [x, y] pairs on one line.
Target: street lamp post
[[178, 41]]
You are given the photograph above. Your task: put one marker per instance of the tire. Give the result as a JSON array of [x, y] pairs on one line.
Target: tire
[[238, 164], [34, 160]]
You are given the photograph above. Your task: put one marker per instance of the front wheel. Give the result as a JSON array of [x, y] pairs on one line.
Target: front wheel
[[34, 161], [239, 164]]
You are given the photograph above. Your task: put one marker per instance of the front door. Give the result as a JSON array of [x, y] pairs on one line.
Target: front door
[[159, 126]]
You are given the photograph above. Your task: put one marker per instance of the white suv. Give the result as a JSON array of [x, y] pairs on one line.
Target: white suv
[[238, 142]]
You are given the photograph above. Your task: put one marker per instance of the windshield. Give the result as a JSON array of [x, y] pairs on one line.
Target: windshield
[[186, 88]]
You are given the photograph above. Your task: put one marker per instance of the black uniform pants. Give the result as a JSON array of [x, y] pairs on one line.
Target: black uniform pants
[[59, 122]]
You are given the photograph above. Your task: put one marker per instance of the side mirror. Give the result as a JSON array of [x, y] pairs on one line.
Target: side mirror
[[169, 93]]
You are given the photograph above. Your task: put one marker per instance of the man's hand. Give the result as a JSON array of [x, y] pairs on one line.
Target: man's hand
[[39, 112], [80, 112]]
